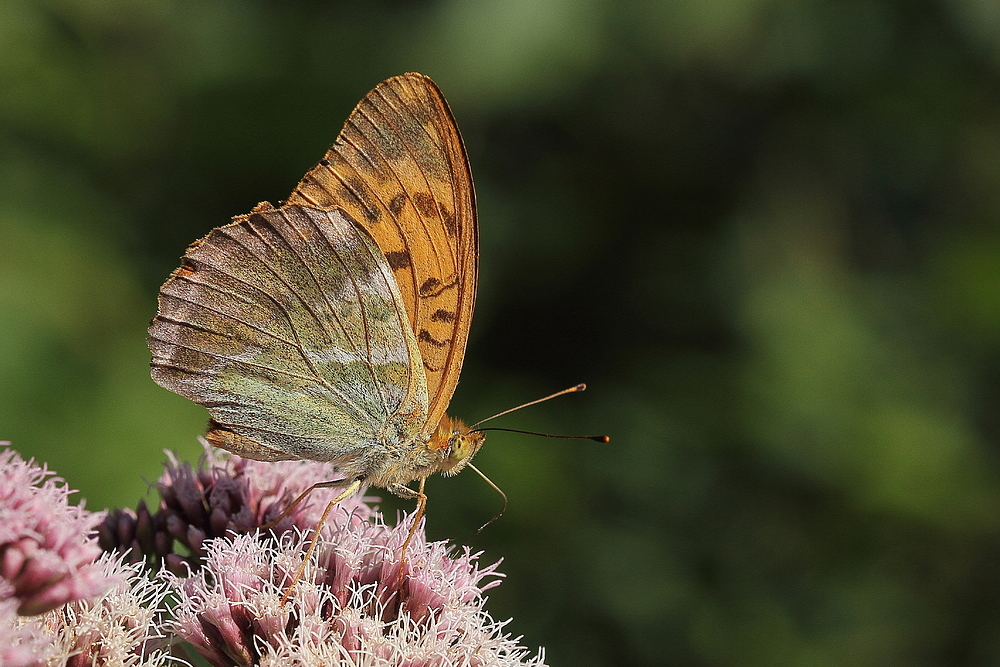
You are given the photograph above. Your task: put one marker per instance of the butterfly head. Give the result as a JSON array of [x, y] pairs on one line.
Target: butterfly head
[[459, 443]]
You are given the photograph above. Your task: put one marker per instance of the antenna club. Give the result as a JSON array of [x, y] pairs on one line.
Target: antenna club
[[601, 438], [580, 387]]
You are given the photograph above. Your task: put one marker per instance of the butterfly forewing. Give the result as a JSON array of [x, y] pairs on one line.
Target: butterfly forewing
[[288, 326], [400, 169]]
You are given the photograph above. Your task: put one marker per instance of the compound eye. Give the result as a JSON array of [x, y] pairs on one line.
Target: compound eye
[[460, 447]]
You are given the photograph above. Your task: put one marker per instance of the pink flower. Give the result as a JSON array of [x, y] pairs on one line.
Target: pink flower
[[350, 608], [47, 550], [226, 495], [355, 604], [118, 628], [23, 640]]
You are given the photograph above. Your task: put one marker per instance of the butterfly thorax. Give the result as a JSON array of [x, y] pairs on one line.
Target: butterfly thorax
[[449, 448]]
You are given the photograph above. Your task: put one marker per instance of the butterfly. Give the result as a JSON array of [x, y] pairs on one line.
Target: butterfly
[[333, 327]]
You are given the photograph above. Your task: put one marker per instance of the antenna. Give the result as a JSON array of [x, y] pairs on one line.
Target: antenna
[[498, 490], [595, 438], [579, 387]]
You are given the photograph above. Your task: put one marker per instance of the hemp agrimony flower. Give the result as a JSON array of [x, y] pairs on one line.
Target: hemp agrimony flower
[[225, 495], [47, 549], [350, 608], [230, 598]]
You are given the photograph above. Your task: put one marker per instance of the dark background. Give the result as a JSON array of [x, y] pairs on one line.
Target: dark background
[[765, 232]]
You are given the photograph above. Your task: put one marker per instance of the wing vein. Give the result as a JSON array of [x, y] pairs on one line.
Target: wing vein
[[261, 330], [423, 128], [398, 178], [333, 311], [291, 323], [292, 291], [232, 360], [364, 321]]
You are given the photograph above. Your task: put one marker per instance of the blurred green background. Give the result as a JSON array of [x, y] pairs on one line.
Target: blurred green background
[[765, 232]]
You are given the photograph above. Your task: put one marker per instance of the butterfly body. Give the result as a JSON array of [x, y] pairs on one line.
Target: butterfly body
[[446, 451], [333, 327]]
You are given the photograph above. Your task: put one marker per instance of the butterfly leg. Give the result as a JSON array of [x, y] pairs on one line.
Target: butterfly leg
[[349, 491], [406, 492], [302, 496]]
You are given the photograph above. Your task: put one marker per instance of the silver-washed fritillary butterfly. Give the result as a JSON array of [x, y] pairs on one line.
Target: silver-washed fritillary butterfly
[[333, 327]]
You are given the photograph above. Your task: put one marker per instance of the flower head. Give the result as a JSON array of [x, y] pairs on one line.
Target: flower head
[[118, 628], [356, 602], [47, 549], [350, 608], [225, 495]]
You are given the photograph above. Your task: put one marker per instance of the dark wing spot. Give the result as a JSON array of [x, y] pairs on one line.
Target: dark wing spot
[[430, 287], [355, 189], [433, 287], [325, 162], [425, 204], [398, 259], [441, 315], [396, 204], [425, 337], [450, 222], [352, 186]]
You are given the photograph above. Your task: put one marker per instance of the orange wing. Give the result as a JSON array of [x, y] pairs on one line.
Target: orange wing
[[400, 169]]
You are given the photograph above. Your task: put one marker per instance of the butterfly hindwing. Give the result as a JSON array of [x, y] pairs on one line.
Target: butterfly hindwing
[[288, 326], [399, 168]]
